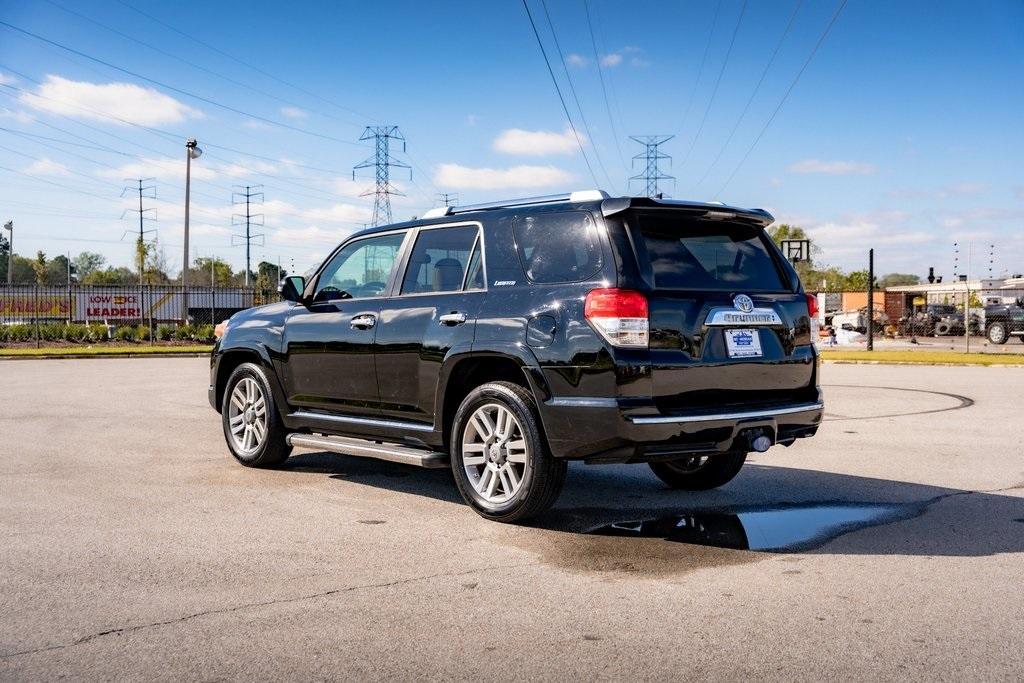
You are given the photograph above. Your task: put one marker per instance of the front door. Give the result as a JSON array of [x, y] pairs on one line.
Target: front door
[[328, 342], [432, 313]]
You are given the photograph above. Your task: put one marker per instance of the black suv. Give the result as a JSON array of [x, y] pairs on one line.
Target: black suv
[[1005, 320], [504, 339]]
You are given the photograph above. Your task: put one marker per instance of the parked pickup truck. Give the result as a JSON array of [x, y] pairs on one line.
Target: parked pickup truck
[[1003, 321]]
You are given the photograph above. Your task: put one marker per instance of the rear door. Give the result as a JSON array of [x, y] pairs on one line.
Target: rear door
[[434, 311], [728, 324]]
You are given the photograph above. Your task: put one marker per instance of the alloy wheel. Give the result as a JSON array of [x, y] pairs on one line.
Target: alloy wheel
[[494, 453], [247, 416]]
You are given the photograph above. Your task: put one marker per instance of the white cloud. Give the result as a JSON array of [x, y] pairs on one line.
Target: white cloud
[[577, 60], [536, 142], [255, 124], [460, 177], [19, 116], [165, 169], [640, 63], [1018, 191], [46, 166], [253, 167], [346, 187], [294, 113], [99, 101], [287, 213], [832, 167], [610, 60], [6, 79], [963, 189]]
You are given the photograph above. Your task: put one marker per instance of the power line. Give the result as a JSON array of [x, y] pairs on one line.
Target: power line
[[382, 161], [718, 82], [558, 90], [796, 79], [753, 95], [172, 88], [575, 97], [310, 93], [604, 91], [703, 61]]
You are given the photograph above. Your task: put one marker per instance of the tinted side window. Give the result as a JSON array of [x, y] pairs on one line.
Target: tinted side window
[[439, 260], [475, 279], [360, 269], [558, 247]]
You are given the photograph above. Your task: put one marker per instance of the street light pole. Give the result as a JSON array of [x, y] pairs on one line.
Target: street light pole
[[9, 227], [192, 151]]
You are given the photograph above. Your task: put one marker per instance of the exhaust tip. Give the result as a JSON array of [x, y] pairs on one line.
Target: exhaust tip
[[761, 443]]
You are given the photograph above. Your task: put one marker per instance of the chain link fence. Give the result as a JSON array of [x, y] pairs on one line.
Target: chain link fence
[[131, 313]]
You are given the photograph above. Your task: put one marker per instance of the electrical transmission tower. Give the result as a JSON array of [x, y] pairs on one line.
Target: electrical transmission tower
[[448, 198], [252, 194], [382, 161], [144, 191], [651, 156]]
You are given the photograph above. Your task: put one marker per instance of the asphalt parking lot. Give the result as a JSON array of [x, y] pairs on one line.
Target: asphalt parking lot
[[135, 548]]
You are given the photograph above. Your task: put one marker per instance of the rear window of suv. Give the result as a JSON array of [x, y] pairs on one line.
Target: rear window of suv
[[684, 253]]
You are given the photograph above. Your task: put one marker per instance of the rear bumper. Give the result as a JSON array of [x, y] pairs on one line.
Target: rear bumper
[[602, 430]]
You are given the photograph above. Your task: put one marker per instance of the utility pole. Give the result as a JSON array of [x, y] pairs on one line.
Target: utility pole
[[448, 198], [251, 195], [382, 161], [9, 227], [192, 151], [652, 156], [871, 300], [142, 189]]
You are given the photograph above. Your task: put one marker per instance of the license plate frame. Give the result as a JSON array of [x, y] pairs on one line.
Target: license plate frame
[[743, 343]]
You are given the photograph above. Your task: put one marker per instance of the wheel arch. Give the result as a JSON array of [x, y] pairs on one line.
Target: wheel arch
[[231, 358], [461, 373]]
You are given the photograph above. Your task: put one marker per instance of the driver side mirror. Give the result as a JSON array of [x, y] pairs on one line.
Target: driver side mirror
[[292, 287]]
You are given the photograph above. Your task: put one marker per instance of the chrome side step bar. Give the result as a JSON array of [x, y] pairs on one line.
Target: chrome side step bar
[[370, 449]]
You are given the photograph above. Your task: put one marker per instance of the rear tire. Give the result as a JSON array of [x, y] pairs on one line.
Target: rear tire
[[500, 458], [252, 425], [996, 333], [695, 474]]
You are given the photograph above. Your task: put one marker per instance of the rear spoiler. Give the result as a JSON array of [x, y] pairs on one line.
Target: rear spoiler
[[708, 211]]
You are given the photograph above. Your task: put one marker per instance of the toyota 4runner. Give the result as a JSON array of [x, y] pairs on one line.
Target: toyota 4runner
[[502, 340]]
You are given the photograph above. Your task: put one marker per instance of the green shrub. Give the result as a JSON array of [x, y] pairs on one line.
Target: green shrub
[[164, 332], [204, 333], [51, 331], [126, 333], [96, 332], [76, 332], [142, 332], [184, 332]]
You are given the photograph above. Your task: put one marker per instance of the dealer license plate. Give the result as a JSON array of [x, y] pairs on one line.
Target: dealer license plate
[[743, 343]]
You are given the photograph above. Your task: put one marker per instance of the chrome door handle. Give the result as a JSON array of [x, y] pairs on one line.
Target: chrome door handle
[[363, 322], [452, 318]]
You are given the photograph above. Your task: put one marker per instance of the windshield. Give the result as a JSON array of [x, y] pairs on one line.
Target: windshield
[[680, 252]]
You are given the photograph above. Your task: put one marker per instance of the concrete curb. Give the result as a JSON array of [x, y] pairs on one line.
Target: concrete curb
[[925, 363], [92, 356]]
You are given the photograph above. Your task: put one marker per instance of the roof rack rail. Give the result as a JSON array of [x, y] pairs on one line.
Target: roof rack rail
[[577, 196]]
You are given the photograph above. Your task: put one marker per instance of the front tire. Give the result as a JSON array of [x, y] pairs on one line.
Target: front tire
[[700, 473], [500, 459], [997, 333], [252, 425]]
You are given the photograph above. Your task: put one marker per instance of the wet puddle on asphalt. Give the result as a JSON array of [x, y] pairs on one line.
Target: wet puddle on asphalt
[[782, 529]]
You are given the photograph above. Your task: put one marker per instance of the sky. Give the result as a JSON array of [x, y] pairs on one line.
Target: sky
[[872, 124]]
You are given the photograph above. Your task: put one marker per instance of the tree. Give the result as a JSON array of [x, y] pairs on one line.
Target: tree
[[857, 281], [112, 276], [898, 279], [5, 249], [39, 267], [24, 271], [156, 265], [57, 270], [87, 263], [268, 276], [221, 271]]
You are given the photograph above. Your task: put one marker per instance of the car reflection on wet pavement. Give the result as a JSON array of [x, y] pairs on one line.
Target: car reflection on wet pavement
[[769, 529]]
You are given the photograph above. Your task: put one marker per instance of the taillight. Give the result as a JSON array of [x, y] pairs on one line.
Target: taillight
[[619, 315], [812, 305], [812, 313]]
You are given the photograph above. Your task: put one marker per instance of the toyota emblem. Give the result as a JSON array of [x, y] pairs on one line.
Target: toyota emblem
[[743, 303]]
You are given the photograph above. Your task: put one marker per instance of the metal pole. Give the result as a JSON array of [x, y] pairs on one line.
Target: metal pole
[[70, 307], [35, 310], [871, 300], [184, 258], [213, 295], [248, 241], [967, 298], [142, 254], [10, 254]]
